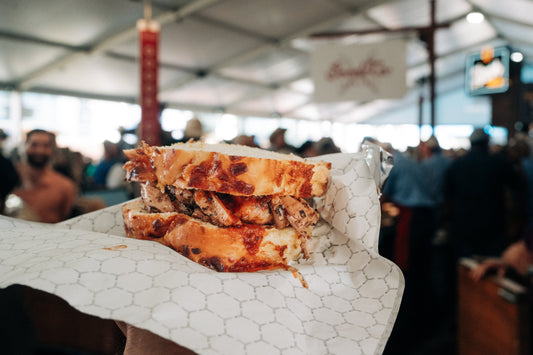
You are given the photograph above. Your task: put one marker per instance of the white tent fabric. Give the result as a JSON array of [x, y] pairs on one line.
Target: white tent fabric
[[246, 57]]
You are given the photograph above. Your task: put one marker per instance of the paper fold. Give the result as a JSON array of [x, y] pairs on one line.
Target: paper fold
[[350, 306]]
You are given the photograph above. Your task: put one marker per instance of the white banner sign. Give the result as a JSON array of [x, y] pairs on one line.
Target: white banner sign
[[359, 72]]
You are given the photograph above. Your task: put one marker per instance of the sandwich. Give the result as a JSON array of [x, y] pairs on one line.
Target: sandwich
[[228, 207]]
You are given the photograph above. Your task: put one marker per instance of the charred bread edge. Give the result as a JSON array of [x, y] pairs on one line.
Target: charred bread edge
[[233, 169], [222, 249]]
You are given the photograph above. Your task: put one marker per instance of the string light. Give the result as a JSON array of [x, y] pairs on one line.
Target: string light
[[475, 17], [517, 57]]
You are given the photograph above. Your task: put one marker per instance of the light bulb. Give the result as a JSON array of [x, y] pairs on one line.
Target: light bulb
[[517, 57], [475, 17]]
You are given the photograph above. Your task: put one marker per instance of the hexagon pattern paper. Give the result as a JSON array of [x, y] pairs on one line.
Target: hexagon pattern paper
[[349, 308]]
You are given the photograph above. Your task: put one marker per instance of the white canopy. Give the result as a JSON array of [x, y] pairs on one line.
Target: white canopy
[[246, 57]]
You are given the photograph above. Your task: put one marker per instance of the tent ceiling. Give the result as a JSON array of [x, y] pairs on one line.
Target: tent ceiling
[[241, 56]]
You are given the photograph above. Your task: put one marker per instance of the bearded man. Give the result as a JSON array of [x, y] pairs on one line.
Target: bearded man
[[48, 196]]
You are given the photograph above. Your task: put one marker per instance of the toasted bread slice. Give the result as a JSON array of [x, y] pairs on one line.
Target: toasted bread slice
[[225, 168], [140, 224], [232, 249]]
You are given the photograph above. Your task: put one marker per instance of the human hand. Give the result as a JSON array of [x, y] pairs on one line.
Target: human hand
[[518, 257], [486, 266]]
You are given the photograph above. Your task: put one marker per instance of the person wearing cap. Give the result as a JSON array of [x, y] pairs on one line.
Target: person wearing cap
[[278, 143]]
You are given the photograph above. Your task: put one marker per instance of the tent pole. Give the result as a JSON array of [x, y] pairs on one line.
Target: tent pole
[[420, 116], [148, 10], [431, 50]]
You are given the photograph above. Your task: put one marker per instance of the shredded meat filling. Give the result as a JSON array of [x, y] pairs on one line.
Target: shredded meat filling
[[155, 199], [299, 214], [227, 210], [212, 207], [278, 213], [254, 210]]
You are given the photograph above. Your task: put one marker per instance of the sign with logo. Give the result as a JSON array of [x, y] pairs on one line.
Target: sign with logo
[[150, 128], [487, 71], [359, 72]]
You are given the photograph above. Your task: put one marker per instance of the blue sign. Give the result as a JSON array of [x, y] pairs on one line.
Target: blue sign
[[487, 72]]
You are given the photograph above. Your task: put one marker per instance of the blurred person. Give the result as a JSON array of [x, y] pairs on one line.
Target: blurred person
[[62, 162], [434, 165], [278, 143], [407, 188], [326, 146], [79, 165], [527, 169], [243, 139], [518, 148], [9, 177], [440, 253], [47, 195], [525, 157], [3, 137], [166, 138], [475, 188], [475, 207], [112, 158], [517, 152], [194, 131], [308, 149]]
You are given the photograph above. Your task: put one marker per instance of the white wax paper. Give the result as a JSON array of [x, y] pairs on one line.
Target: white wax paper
[[350, 307]]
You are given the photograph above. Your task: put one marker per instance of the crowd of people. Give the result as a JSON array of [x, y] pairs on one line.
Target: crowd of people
[[440, 206], [46, 183], [278, 143]]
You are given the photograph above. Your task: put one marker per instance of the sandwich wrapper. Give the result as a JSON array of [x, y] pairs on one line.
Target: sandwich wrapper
[[350, 306]]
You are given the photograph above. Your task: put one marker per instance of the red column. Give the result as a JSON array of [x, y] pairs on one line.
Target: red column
[[150, 127]]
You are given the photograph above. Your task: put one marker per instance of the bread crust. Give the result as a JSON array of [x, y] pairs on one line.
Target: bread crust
[[139, 224], [189, 166], [244, 248]]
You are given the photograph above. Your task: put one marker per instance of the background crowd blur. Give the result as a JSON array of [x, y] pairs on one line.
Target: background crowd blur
[[100, 182], [438, 206]]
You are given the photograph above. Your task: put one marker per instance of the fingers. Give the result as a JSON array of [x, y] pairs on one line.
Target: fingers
[[488, 265], [501, 271]]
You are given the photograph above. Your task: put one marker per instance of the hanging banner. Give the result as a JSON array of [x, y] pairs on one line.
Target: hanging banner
[[150, 127], [359, 72]]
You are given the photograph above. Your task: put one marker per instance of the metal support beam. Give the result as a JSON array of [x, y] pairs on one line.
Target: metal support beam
[[431, 51]]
